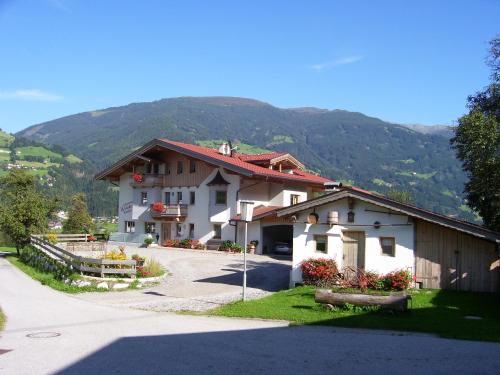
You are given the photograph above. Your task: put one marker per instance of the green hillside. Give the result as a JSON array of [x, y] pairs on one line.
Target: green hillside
[[58, 173], [343, 145]]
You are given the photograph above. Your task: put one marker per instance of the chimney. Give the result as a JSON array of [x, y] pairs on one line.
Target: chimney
[[224, 149]]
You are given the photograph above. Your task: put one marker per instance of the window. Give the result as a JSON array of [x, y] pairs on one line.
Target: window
[[217, 231], [180, 167], [179, 197], [321, 243], [388, 245], [149, 227], [144, 198], [178, 229], [221, 197], [192, 197], [152, 168], [130, 227], [167, 168], [192, 166], [191, 230], [167, 198], [294, 199]]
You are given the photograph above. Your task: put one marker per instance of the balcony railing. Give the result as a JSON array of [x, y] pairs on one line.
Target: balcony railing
[[172, 211], [147, 180]]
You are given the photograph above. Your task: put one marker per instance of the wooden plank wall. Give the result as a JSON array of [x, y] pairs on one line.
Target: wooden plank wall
[[186, 178], [449, 259]]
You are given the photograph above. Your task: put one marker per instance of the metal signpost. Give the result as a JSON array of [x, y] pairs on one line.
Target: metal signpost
[[246, 216]]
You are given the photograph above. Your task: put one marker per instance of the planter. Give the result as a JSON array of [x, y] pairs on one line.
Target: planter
[[397, 301], [251, 248]]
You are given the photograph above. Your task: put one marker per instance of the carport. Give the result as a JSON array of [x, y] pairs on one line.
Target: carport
[[276, 233]]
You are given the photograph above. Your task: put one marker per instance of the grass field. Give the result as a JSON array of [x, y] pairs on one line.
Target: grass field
[[36, 151], [423, 176], [46, 278], [432, 311], [72, 159], [38, 165]]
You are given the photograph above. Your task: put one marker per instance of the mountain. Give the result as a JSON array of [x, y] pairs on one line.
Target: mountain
[[347, 146], [442, 130]]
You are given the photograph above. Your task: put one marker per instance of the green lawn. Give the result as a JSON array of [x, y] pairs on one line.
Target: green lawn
[[72, 159], [432, 311], [46, 278], [2, 320], [36, 151]]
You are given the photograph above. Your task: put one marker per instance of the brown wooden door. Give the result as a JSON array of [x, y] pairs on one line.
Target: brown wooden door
[[354, 249], [166, 231]]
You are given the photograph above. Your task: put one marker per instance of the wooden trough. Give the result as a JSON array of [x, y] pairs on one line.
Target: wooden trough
[[395, 302]]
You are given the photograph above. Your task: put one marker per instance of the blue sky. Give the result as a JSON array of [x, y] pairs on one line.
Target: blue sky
[[406, 62]]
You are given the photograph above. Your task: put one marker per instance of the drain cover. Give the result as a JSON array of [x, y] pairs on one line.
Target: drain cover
[[43, 335]]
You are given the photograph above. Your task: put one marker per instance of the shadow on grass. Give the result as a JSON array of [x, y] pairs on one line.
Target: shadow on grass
[[451, 314]]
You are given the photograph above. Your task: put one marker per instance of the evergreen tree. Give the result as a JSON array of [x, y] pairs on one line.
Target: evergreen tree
[[79, 220]]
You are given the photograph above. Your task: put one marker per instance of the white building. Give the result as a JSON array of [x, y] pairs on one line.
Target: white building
[[360, 229], [179, 191]]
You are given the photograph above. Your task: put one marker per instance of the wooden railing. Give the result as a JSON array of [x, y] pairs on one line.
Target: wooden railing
[[62, 237], [83, 264], [148, 180], [172, 210]]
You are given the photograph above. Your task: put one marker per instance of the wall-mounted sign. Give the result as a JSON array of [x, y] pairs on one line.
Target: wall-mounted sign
[[126, 207]]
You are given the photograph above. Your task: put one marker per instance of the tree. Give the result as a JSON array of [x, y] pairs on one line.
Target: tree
[[23, 210], [400, 196], [79, 220], [477, 145]]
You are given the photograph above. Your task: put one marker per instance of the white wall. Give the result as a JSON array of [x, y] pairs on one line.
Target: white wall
[[303, 246]]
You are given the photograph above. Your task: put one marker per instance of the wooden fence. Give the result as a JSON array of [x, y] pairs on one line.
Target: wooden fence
[[83, 264], [62, 237]]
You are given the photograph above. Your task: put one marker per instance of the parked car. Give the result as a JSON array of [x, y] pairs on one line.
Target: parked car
[[282, 248]]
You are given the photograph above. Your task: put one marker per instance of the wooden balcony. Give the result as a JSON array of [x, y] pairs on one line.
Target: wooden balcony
[[148, 180], [176, 212]]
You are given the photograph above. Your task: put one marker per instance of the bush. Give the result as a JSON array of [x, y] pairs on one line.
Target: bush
[[321, 272], [140, 260], [37, 259], [115, 255], [171, 243], [151, 268], [148, 240], [397, 280], [52, 238], [231, 246]]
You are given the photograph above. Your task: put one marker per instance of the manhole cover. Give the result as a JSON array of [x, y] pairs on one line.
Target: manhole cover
[[43, 335]]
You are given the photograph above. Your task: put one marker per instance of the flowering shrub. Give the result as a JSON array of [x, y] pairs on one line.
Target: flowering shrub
[[52, 238], [37, 259], [151, 268], [397, 280], [171, 243], [114, 255], [158, 207], [139, 260], [137, 177], [92, 238], [184, 244], [320, 272]]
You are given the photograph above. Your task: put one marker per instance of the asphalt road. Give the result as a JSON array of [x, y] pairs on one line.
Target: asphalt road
[[73, 336]]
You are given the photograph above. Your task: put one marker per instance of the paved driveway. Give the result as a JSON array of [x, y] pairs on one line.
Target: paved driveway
[[200, 280], [88, 338]]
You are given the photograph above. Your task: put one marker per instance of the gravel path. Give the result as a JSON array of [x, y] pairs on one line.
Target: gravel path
[[199, 280]]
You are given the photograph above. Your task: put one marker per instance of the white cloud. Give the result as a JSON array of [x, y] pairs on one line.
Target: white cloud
[[337, 62], [30, 94]]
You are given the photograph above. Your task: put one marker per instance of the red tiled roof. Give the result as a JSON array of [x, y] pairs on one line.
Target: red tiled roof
[[260, 157], [259, 211], [252, 169]]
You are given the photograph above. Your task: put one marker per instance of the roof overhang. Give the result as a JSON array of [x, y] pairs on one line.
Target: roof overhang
[[410, 210], [168, 146]]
